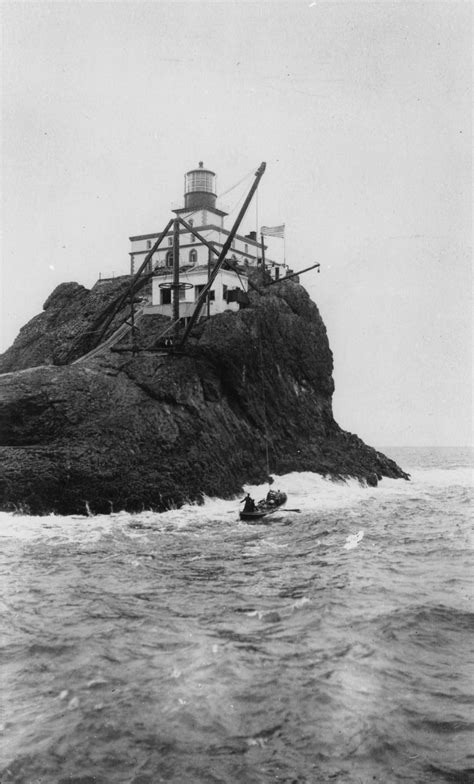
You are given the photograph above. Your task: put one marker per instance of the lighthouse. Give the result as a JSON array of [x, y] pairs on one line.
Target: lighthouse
[[200, 211]]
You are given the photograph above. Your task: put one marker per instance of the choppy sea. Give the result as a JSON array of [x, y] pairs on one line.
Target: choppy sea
[[330, 645]]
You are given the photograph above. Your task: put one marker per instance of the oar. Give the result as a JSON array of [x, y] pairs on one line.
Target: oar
[[282, 509], [277, 509]]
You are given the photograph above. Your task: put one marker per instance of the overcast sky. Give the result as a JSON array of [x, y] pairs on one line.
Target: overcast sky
[[362, 112]]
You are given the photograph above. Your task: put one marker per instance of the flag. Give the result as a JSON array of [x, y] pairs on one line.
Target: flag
[[273, 231]]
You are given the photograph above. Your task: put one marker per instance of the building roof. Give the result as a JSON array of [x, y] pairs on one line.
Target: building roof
[[204, 227], [188, 268], [178, 210]]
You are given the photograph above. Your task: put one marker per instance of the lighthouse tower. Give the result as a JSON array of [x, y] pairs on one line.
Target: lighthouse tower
[[199, 188], [200, 197]]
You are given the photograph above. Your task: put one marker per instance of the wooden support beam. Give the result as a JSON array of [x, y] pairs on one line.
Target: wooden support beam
[[199, 236], [251, 285], [213, 249], [293, 275], [108, 315], [175, 289]]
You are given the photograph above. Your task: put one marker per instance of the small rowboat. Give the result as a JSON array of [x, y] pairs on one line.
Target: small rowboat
[[274, 501]]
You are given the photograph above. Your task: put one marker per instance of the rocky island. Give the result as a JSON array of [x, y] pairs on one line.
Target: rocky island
[[118, 430]]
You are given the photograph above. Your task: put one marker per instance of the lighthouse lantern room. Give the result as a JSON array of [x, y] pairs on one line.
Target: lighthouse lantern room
[[199, 189]]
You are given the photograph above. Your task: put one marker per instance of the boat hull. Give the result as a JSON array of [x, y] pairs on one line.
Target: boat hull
[[274, 501], [248, 516]]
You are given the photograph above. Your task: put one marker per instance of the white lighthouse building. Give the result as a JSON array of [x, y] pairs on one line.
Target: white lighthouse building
[[195, 259], [201, 212]]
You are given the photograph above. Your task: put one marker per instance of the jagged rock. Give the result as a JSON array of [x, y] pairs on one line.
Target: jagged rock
[[59, 334], [149, 431]]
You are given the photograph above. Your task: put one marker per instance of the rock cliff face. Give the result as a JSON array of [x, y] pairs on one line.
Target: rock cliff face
[[149, 431], [60, 332]]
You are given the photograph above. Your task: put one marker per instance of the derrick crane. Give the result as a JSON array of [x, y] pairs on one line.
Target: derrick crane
[[97, 332]]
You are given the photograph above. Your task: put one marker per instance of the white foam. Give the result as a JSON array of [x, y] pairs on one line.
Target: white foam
[[353, 540], [308, 492], [55, 527]]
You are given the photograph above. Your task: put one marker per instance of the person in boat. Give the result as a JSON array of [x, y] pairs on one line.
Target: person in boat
[[274, 499], [271, 498], [249, 503]]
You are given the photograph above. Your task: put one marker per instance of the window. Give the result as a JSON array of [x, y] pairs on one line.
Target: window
[[199, 181], [224, 293], [198, 291], [246, 248], [277, 273], [165, 296], [191, 222], [148, 244], [169, 258], [182, 294], [170, 240], [193, 238], [193, 257], [233, 244], [211, 295]]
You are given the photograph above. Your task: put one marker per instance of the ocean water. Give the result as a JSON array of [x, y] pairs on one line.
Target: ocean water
[[331, 645]]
